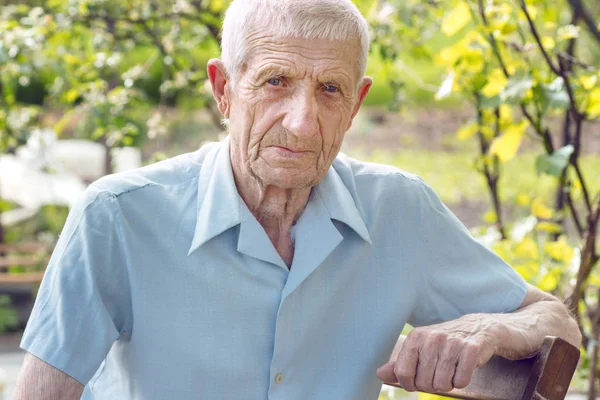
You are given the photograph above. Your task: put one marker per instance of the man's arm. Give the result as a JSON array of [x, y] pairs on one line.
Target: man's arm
[[41, 381], [443, 357]]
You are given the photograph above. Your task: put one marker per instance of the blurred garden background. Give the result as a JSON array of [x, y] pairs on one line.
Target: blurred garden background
[[495, 103]]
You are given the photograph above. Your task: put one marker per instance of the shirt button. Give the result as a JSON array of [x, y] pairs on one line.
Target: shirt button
[[278, 378]]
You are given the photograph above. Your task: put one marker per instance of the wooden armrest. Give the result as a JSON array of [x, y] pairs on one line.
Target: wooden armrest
[[545, 376]]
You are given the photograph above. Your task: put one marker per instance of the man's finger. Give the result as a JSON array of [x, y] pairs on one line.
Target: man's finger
[[426, 366], [406, 366], [385, 373], [446, 366], [468, 361]]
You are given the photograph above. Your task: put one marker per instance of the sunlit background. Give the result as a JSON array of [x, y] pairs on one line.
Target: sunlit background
[[496, 104]]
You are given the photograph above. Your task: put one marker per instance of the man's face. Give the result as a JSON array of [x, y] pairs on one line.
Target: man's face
[[292, 104]]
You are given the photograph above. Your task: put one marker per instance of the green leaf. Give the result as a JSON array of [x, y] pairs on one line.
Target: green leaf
[[516, 88], [554, 164], [490, 102], [553, 95]]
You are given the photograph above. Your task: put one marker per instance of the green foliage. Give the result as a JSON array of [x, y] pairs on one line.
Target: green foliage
[[8, 316], [554, 164], [522, 65], [100, 61]]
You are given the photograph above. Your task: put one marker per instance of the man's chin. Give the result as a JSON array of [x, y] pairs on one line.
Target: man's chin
[[289, 179]]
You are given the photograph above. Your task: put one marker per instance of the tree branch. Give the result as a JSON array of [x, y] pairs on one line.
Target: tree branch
[[579, 8], [492, 40], [574, 213], [544, 134], [558, 71], [586, 194], [538, 40]]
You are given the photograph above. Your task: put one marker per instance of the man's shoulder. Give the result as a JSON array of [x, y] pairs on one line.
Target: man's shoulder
[[379, 189], [369, 172], [172, 172]]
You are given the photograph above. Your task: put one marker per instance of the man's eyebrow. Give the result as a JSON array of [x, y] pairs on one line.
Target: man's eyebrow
[[336, 79], [271, 70]]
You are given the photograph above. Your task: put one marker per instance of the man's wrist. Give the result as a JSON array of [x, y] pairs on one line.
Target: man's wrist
[[492, 331]]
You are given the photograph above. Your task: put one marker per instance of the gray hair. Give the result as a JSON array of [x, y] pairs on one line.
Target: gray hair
[[307, 19]]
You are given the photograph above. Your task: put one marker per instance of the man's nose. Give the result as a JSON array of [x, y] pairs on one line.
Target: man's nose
[[301, 119]]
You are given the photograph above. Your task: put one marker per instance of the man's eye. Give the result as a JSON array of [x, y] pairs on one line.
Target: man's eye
[[331, 88], [274, 81]]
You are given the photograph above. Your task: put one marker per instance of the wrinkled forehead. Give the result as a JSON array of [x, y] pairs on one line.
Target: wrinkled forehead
[[292, 56]]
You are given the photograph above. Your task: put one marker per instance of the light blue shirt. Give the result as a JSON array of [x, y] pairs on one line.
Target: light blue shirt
[[164, 286]]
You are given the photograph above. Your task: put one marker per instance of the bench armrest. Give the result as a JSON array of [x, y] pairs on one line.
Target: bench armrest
[[545, 376]]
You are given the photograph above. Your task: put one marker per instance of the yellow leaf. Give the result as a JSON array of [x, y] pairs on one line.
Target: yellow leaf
[[532, 10], [487, 132], [508, 28], [528, 94], [449, 55], [71, 95], [524, 271], [549, 227], [506, 115], [540, 210], [588, 82], [594, 280], [216, 6], [490, 217], [466, 131], [456, 19], [523, 200], [427, 396], [548, 282], [70, 59], [512, 65], [507, 145], [560, 250], [593, 109], [496, 83], [548, 43], [527, 248]]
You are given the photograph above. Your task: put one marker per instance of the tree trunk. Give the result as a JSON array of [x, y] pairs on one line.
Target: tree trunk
[[593, 362]]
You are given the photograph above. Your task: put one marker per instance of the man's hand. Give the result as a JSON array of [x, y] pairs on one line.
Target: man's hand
[[442, 357]]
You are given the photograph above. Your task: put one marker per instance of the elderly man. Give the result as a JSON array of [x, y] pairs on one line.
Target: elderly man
[[268, 265]]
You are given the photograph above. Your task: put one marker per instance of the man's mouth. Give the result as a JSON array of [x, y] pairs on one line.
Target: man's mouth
[[287, 152]]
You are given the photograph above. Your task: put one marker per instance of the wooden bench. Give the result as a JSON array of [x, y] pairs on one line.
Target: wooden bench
[[22, 268], [545, 376], [31, 258]]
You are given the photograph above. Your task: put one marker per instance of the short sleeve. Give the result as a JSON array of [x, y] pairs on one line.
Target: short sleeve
[[84, 302], [459, 275]]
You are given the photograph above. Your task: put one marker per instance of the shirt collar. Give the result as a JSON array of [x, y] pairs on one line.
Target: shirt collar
[[220, 203], [340, 204]]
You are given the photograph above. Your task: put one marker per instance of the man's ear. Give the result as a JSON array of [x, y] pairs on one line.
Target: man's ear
[[218, 77], [363, 90]]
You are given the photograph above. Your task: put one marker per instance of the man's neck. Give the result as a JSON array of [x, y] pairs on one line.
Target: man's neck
[[276, 209]]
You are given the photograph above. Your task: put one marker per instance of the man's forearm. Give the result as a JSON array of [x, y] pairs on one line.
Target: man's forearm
[[41, 381], [520, 334]]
